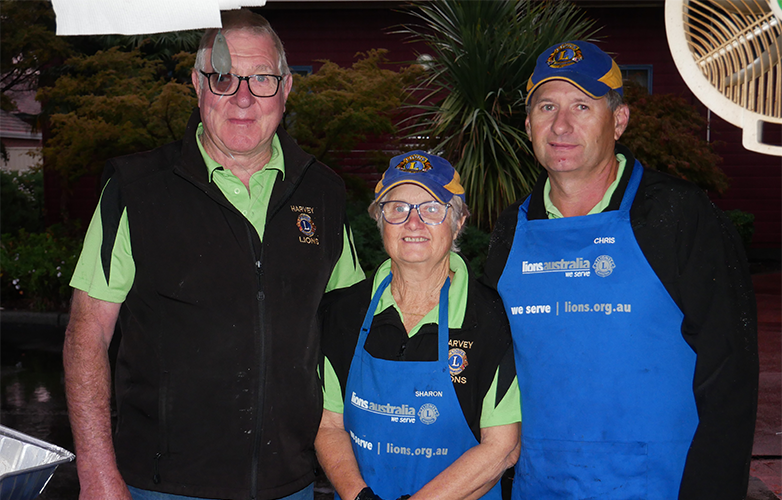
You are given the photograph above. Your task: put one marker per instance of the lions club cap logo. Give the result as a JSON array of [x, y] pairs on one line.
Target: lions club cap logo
[[414, 164], [565, 55]]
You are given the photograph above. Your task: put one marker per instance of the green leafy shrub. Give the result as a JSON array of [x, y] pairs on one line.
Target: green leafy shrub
[[336, 108], [744, 223], [21, 201], [666, 133], [366, 236], [474, 244], [35, 268]]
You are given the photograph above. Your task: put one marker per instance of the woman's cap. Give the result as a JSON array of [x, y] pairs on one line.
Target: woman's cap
[[580, 63], [430, 172]]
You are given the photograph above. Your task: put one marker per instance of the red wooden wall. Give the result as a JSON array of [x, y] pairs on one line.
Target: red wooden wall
[[314, 33]]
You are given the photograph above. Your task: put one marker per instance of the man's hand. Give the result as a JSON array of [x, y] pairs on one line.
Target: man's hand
[[107, 486]]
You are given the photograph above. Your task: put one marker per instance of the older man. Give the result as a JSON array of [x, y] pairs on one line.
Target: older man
[[212, 253], [631, 308]]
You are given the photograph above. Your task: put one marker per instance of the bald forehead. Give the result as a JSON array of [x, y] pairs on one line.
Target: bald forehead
[[252, 50]]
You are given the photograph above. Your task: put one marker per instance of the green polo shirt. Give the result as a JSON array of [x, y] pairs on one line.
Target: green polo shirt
[[253, 204], [554, 213]]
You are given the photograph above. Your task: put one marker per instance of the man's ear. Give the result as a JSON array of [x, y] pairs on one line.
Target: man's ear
[[287, 83], [621, 119], [194, 76]]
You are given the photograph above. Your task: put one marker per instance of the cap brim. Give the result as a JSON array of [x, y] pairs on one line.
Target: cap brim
[[593, 91], [391, 186]]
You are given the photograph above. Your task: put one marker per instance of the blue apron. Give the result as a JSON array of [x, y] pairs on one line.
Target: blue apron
[[404, 418], [604, 373]]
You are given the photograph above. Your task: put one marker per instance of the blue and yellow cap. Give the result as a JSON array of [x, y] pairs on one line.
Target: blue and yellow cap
[[581, 63], [430, 172]]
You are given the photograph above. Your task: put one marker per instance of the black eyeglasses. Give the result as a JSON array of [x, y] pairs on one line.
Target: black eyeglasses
[[227, 84], [431, 213]]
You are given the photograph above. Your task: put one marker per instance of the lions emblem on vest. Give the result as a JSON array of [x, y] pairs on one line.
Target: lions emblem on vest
[[564, 55], [414, 164], [305, 224], [603, 266], [428, 413], [307, 228], [457, 361]]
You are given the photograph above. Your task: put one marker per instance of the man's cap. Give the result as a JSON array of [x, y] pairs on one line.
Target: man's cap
[[430, 172], [581, 63]]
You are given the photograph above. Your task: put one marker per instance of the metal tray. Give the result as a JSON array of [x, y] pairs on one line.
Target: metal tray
[[27, 464]]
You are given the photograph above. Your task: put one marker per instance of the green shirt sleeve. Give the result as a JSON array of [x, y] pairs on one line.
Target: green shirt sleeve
[[508, 411], [333, 400], [347, 272], [91, 275]]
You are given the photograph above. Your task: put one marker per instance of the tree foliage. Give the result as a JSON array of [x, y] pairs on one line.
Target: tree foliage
[[666, 133], [472, 107], [109, 104], [163, 46], [336, 108], [28, 46]]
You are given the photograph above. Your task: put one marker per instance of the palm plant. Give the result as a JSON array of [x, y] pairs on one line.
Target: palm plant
[[472, 99]]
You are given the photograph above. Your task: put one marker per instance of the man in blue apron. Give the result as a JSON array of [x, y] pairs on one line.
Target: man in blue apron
[[631, 308]]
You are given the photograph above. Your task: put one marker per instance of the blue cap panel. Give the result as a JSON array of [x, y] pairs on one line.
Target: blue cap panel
[[431, 172], [580, 63]]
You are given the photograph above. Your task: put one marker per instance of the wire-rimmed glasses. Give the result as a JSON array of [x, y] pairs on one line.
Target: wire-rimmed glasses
[[431, 213]]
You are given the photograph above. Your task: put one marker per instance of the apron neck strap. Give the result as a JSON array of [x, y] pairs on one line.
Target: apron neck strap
[[632, 187], [442, 320]]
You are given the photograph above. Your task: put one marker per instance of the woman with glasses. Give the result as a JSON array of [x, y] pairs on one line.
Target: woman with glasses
[[420, 394]]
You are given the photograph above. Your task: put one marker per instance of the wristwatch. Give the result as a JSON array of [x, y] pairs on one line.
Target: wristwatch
[[367, 494]]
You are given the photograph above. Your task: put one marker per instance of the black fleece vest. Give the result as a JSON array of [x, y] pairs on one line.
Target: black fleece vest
[[217, 390]]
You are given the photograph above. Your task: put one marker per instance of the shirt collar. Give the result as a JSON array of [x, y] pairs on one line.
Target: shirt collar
[[554, 213], [457, 294], [277, 161]]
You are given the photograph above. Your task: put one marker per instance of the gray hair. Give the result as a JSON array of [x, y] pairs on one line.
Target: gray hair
[[236, 20], [615, 99], [458, 209]]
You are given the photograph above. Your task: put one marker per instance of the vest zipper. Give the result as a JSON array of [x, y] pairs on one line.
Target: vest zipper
[[260, 297], [257, 443], [162, 415]]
